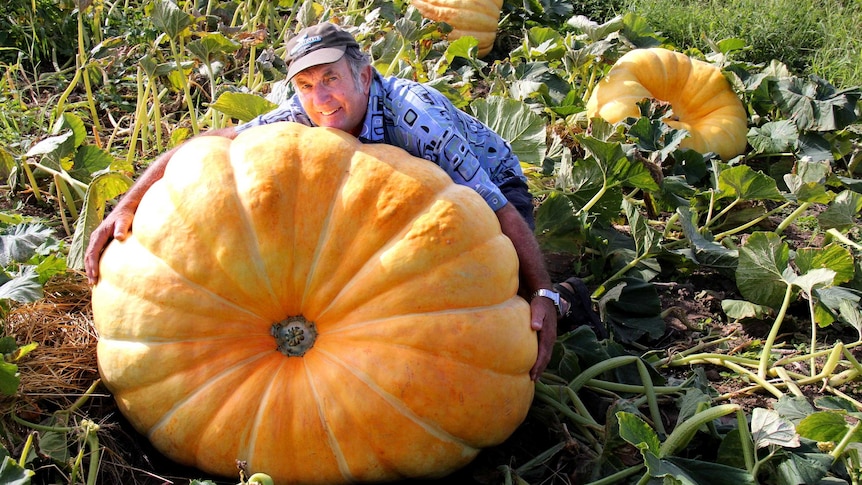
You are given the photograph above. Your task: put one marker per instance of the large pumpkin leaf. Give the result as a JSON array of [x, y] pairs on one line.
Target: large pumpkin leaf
[[513, 120], [703, 250], [23, 287], [11, 473], [769, 428], [243, 106], [698, 472], [638, 433], [744, 183], [773, 137], [814, 104], [841, 214], [104, 187], [19, 243], [212, 45], [762, 260], [169, 18], [833, 257], [827, 426]]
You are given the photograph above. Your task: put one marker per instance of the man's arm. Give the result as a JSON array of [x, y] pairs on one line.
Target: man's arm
[[118, 222], [533, 277]]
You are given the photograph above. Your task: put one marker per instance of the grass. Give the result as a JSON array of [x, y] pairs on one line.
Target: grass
[[810, 36]]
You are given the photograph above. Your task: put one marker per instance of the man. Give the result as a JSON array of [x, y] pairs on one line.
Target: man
[[337, 87]]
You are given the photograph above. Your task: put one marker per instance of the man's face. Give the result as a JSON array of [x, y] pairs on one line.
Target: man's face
[[331, 97]]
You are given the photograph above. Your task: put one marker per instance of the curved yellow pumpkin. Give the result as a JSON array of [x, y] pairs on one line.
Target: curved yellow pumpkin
[[701, 98], [327, 311], [477, 18]]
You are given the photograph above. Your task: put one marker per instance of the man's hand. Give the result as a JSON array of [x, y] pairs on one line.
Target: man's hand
[[115, 226], [118, 223], [543, 319]]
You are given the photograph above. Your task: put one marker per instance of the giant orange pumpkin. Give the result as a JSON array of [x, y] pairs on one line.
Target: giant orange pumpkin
[[326, 311], [475, 18], [701, 98]]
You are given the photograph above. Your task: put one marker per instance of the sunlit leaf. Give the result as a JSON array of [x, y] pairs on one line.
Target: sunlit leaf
[[746, 184], [762, 261], [842, 212], [104, 187], [54, 147], [827, 426], [634, 430], [24, 287], [768, 428], [90, 159], [741, 309], [516, 123], [19, 243], [73, 122], [832, 256], [243, 106], [169, 18], [211, 45], [814, 104], [773, 137]]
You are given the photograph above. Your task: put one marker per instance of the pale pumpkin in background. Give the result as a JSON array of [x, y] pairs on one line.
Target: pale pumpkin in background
[[701, 98], [477, 18], [327, 311]]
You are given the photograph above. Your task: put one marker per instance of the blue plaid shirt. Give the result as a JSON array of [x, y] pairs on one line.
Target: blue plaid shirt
[[426, 124]]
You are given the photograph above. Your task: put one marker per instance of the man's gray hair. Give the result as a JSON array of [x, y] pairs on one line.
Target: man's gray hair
[[357, 61]]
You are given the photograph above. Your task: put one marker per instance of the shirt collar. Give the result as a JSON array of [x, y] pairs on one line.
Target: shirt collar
[[372, 125]]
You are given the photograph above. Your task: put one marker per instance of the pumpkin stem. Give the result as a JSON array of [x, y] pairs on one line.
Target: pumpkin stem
[[294, 335]]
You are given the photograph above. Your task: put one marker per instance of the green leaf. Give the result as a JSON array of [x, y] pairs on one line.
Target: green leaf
[[741, 309], [616, 167], [633, 308], [55, 445], [90, 159], [762, 260], [170, 19], [24, 287], [516, 123], [19, 243], [54, 147], [212, 45], [841, 213], [744, 183], [73, 122], [104, 187], [702, 250], [802, 468], [773, 137], [647, 239], [699, 472], [243, 106], [636, 432], [13, 474], [769, 428], [832, 256], [827, 426], [851, 315], [9, 380], [814, 104]]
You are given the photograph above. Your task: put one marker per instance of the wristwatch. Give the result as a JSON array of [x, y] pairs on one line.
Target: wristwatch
[[551, 295]]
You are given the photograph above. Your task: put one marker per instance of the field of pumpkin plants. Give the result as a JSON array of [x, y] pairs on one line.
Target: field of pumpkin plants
[[710, 205]]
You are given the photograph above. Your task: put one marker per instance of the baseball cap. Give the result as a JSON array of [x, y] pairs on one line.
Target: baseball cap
[[323, 43]]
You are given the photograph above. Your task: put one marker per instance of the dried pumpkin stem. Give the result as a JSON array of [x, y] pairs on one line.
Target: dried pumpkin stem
[[294, 335]]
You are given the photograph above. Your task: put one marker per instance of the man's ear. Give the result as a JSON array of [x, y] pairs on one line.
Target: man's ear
[[365, 77]]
